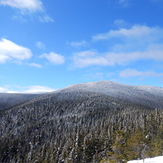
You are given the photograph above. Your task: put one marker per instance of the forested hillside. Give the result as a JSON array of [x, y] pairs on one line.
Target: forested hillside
[[80, 127], [9, 100]]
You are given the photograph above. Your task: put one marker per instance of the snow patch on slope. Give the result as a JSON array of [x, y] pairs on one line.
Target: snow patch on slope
[[158, 159], [151, 89]]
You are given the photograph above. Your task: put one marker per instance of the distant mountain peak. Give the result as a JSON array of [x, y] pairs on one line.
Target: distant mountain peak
[[145, 95]]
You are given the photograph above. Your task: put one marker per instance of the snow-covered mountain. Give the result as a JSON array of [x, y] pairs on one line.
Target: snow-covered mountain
[[112, 88], [89, 122], [148, 96], [144, 95]]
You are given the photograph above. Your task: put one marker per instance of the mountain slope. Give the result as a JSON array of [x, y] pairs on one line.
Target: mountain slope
[[84, 123], [144, 95], [9, 100]]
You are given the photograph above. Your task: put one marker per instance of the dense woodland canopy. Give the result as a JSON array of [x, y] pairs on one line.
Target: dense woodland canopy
[[8, 100], [80, 127]]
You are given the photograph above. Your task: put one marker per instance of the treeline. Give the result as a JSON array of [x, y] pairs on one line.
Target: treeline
[[85, 127]]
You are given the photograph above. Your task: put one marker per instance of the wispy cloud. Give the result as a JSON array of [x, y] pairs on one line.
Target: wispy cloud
[[112, 58], [28, 7], [89, 58], [136, 32], [30, 89], [123, 3], [24, 5], [78, 43], [38, 89], [120, 23], [126, 46], [128, 3], [45, 19], [35, 65], [134, 73], [40, 45], [54, 58], [11, 51]]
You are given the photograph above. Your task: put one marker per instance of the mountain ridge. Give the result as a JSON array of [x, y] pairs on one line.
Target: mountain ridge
[[150, 96], [91, 122], [10, 100], [140, 94]]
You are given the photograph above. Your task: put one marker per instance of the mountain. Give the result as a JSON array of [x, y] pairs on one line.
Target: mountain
[[9, 100], [143, 95], [89, 122]]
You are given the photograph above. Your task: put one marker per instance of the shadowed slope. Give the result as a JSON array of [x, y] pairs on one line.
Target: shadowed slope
[[9, 100]]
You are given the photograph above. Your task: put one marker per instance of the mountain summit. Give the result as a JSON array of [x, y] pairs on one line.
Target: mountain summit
[[146, 95]]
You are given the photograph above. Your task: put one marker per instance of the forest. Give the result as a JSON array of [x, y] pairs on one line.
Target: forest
[[80, 127]]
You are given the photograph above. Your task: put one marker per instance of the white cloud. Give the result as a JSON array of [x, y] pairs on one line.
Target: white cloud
[[89, 58], [79, 44], [24, 5], [3, 90], [134, 73], [54, 58], [87, 53], [126, 46], [136, 32], [124, 58], [129, 45], [35, 65], [30, 89], [28, 7], [11, 51], [38, 89]]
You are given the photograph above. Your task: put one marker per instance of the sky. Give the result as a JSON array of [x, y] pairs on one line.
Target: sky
[[46, 45]]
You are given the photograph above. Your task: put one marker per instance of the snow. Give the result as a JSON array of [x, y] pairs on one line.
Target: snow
[[109, 87], [151, 89], [143, 95], [116, 89], [158, 159]]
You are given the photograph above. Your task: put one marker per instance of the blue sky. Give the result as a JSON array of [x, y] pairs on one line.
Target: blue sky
[[47, 45]]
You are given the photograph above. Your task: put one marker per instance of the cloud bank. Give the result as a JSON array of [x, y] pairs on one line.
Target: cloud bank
[[126, 46], [112, 58], [30, 89], [38, 89]]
